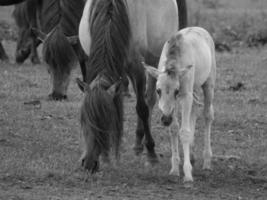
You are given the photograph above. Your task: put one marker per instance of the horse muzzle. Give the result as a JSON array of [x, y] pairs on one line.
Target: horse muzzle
[[166, 120]]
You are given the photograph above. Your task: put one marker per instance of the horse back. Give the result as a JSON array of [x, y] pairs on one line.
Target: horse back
[[200, 52], [152, 23]]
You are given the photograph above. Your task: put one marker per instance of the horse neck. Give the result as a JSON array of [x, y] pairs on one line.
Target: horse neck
[[110, 34]]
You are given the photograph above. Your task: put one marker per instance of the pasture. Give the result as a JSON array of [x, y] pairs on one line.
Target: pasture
[[39, 139]]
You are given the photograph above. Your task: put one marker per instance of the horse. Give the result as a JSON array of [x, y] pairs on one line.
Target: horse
[[26, 18], [59, 21], [117, 35], [187, 63]]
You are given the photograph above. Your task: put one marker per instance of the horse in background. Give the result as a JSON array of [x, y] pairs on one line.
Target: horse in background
[[118, 35], [187, 64], [26, 18], [59, 20]]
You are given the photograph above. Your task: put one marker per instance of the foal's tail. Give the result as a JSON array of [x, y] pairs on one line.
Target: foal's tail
[[182, 12]]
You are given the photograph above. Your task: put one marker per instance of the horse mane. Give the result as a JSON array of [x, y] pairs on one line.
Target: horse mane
[[60, 18], [175, 47], [110, 34], [63, 13], [102, 117], [25, 14], [174, 53]]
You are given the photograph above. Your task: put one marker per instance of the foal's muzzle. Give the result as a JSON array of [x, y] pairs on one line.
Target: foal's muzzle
[[166, 120]]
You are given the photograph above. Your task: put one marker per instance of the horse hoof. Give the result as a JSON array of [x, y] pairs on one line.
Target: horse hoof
[[206, 165], [57, 97], [174, 172], [188, 184], [138, 149], [152, 161], [36, 61]]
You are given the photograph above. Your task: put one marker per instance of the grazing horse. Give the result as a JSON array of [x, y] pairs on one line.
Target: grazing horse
[[118, 35], [187, 64], [59, 20], [26, 18]]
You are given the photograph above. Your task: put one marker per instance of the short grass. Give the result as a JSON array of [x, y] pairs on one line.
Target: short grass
[[39, 144]]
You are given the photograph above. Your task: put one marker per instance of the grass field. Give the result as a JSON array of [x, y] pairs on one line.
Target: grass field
[[39, 144]]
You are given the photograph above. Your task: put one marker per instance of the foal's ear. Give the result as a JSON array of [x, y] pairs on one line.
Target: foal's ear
[[151, 70], [82, 85], [184, 71], [114, 89]]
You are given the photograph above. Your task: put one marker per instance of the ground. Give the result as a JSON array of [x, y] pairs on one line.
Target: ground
[[40, 147]]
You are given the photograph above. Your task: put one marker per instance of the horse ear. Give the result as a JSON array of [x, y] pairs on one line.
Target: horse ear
[[82, 85], [151, 70], [39, 34], [184, 71], [114, 89]]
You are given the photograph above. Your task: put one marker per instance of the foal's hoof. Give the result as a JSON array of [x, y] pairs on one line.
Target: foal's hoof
[[188, 184], [57, 97], [174, 172]]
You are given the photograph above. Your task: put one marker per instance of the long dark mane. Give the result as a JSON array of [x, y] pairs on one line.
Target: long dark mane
[[25, 14], [62, 16], [101, 117], [110, 34]]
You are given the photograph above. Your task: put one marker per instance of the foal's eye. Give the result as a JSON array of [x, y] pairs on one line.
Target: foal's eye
[[158, 92], [176, 92]]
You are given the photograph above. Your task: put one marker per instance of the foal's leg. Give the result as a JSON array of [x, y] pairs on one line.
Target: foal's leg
[[175, 160], [137, 75], [208, 90], [186, 135], [193, 118]]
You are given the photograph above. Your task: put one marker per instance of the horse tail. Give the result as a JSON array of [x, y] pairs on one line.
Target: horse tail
[[110, 32], [182, 13], [58, 52]]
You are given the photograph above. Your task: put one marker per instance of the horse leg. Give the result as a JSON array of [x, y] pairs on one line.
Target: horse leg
[[82, 59], [34, 54], [186, 135], [151, 85], [137, 75], [208, 90], [193, 118], [175, 159], [126, 91]]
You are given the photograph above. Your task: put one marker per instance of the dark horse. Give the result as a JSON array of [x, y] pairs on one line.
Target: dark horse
[[26, 18], [118, 35], [59, 19]]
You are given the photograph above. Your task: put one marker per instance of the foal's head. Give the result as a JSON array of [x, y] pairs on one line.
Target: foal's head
[[100, 122], [169, 78]]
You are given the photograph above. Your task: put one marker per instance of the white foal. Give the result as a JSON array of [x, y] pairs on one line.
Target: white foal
[[187, 63]]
